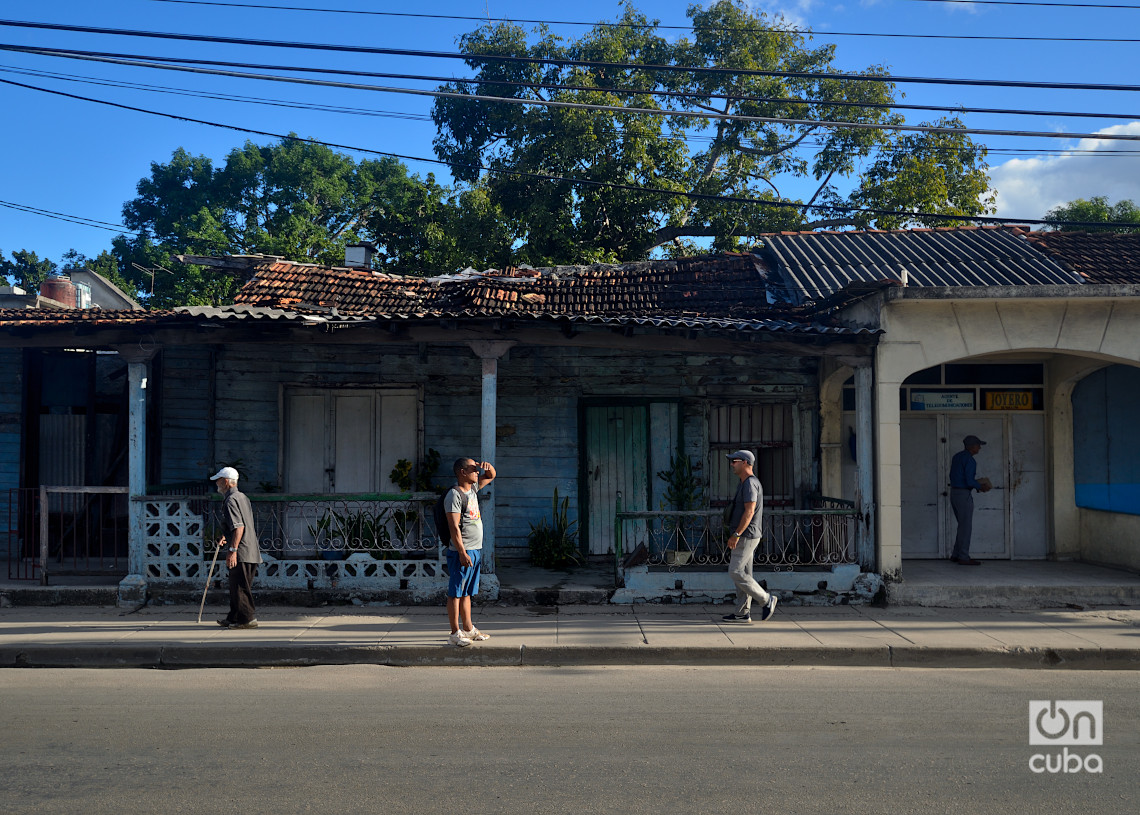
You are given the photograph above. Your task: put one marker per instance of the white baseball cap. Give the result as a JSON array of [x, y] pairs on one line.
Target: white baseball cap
[[225, 472]]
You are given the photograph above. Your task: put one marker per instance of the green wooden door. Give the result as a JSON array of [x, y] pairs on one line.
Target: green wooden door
[[617, 461]]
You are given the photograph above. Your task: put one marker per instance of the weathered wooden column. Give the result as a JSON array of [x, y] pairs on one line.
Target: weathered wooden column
[[490, 352], [865, 467], [132, 589]]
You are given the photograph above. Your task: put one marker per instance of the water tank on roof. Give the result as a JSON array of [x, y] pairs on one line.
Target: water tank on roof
[[60, 289]]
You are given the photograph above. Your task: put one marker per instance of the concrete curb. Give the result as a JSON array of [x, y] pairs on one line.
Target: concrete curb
[[175, 656]]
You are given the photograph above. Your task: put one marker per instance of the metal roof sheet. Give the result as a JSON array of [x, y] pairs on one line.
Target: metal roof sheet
[[817, 264]]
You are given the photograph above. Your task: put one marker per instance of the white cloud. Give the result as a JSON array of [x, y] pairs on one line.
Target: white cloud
[[794, 12], [1028, 188]]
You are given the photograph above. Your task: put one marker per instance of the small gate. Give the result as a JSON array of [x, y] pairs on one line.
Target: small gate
[[67, 531]]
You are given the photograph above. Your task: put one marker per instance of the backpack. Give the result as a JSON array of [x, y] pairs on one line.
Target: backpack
[[440, 516]]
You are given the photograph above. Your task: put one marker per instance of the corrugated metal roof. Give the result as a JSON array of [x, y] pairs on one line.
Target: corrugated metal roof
[[817, 264]]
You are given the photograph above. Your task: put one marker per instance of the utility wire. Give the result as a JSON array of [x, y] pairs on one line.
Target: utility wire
[[695, 196], [653, 26], [688, 69], [67, 53], [688, 138], [220, 97], [678, 114], [1038, 3], [61, 216]]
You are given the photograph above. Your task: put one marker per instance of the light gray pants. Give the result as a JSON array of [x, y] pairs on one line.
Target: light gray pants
[[740, 570], [962, 502]]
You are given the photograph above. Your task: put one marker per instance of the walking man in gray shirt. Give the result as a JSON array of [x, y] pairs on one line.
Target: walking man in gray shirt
[[744, 523], [243, 553]]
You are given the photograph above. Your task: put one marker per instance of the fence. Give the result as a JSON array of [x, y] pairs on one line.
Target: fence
[[696, 539], [82, 531], [307, 541]]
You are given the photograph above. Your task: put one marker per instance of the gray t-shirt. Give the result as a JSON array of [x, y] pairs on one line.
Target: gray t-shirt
[[749, 490], [470, 522], [236, 511]]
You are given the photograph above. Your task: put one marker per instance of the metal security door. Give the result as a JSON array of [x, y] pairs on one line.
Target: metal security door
[[923, 482], [991, 509], [617, 461]]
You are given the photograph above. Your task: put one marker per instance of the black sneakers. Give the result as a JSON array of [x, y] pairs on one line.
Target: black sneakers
[[737, 618], [769, 607]]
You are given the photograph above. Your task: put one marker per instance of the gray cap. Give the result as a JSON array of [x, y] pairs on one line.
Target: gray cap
[[972, 440], [745, 455]]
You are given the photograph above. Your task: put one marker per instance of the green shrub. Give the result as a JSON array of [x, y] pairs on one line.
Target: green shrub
[[554, 541]]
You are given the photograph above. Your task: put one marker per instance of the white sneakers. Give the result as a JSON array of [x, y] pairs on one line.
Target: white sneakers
[[459, 639], [462, 639]]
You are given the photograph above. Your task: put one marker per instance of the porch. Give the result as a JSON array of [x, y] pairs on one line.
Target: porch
[[1014, 584]]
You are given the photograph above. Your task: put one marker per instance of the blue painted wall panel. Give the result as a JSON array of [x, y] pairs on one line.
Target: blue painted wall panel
[[1106, 440], [11, 418]]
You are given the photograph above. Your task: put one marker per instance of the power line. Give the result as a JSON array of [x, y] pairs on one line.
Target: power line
[[665, 27], [1038, 3], [61, 216], [693, 69], [695, 196], [357, 111], [221, 97], [665, 112], [67, 53]]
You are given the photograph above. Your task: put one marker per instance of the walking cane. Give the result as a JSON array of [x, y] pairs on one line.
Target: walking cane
[[210, 577]]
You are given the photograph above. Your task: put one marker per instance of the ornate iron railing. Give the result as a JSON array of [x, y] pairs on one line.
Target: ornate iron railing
[[307, 540], [696, 539]]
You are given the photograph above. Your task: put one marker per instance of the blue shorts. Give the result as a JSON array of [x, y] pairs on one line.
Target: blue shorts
[[463, 581]]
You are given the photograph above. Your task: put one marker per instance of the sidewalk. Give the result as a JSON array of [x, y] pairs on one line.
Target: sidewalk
[[170, 637]]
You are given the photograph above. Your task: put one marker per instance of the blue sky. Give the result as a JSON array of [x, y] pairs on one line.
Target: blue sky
[[79, 158]]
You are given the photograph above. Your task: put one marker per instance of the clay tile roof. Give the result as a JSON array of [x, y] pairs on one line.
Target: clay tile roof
[[1098, 257], [92, 317], [722, 286]]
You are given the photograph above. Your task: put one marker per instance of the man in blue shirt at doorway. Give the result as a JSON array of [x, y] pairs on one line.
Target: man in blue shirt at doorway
[[963, 482]]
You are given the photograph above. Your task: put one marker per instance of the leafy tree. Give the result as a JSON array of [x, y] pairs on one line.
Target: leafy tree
[[1096, 210], [26, 270], [302, 201], [557, 221]]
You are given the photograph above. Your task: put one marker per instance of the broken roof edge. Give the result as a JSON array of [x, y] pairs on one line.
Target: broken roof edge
[[505, 275]]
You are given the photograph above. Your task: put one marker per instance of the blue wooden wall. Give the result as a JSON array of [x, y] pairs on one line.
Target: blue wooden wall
[[1106, 440], [539, 389], [11, 417]]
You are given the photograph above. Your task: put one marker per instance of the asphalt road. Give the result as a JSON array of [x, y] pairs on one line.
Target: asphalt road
[[547, 740]]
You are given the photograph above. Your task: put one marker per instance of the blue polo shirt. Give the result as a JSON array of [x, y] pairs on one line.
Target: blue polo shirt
[[962, 471]]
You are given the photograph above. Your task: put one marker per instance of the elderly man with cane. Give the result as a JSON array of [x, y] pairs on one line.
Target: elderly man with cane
[[242, 551]]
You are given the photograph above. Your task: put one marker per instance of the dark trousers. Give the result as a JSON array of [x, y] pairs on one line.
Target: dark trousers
[[241, 593], [962, 502]]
